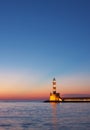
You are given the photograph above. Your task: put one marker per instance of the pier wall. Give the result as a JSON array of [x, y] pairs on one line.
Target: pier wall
[[76, 99]]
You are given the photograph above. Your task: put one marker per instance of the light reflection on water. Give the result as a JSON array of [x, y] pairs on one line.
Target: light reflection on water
[[44, 116], [54, 116]]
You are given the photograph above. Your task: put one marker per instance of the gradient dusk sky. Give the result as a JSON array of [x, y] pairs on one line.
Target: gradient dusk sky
[[42, 39]]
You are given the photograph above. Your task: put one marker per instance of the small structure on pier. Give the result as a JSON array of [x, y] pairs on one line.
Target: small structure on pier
[[54, 96]]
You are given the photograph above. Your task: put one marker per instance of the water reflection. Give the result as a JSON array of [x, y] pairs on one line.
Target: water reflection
[[44, 116], [55, 115]]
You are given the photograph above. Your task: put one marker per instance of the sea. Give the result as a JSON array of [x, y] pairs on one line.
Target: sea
[[27, 115]]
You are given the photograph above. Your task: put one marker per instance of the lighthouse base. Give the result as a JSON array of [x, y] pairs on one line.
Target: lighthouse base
[[55, 97]]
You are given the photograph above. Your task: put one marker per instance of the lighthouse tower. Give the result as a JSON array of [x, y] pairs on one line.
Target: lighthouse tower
[[54, 86], [54, 96]]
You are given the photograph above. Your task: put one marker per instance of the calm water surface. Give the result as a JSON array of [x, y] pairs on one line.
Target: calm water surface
[[44, 116]]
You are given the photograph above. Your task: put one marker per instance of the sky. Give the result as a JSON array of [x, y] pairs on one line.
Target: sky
[[40, 40]]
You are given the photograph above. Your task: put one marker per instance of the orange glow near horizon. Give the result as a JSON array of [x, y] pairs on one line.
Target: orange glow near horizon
[[37, 93], [21, 87], [34, 95]]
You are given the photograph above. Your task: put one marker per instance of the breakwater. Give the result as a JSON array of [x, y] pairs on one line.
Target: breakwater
[[72, 99]]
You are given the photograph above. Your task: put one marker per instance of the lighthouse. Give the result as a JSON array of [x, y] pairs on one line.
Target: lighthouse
[[54, 96]]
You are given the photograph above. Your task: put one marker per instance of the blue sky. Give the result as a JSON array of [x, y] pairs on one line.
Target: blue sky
[[45, 37]]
